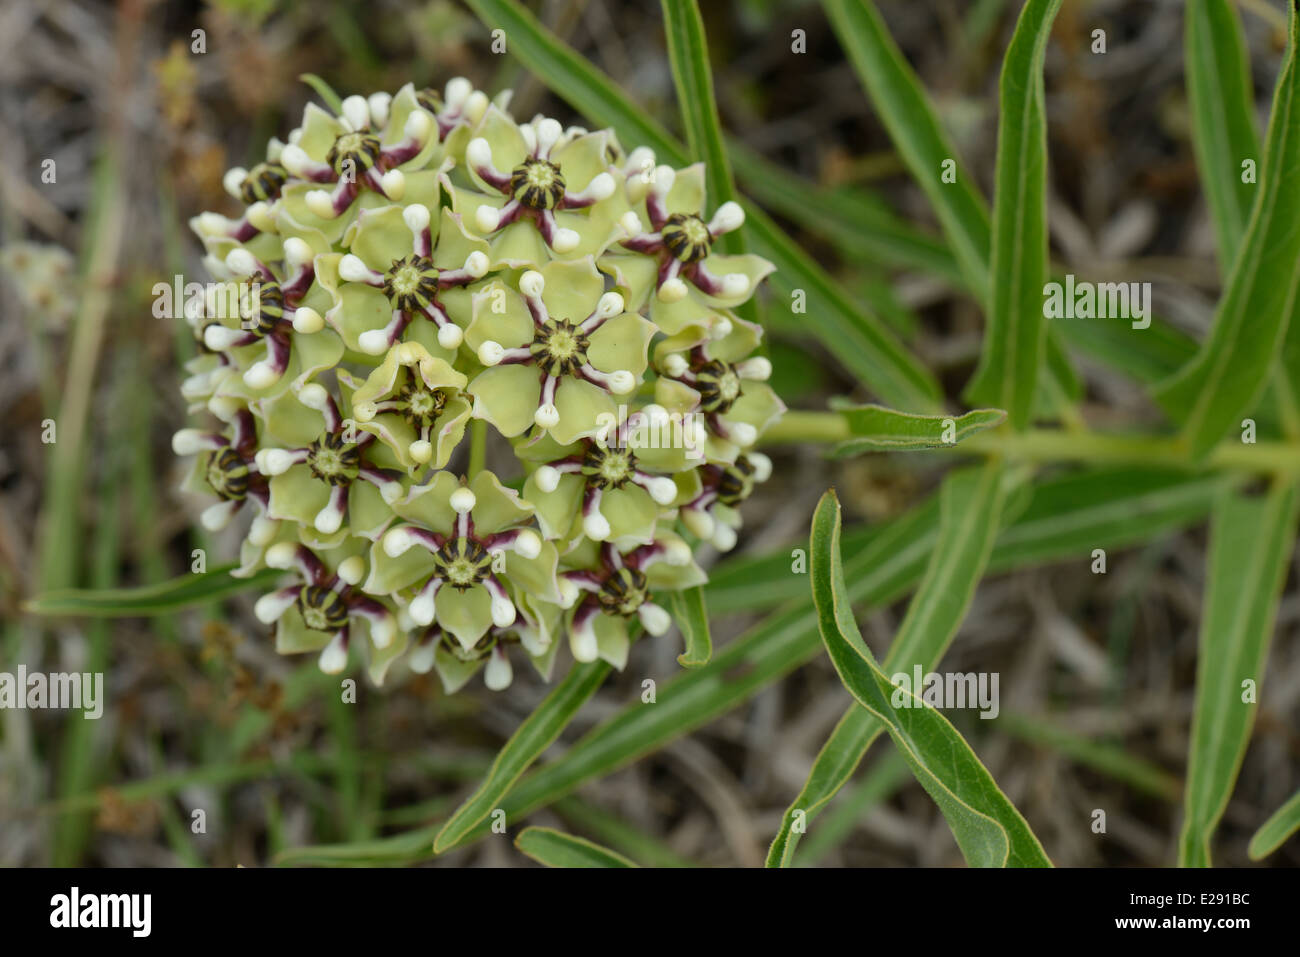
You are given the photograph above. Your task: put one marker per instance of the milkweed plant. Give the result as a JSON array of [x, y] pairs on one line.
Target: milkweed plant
[[420, 265]]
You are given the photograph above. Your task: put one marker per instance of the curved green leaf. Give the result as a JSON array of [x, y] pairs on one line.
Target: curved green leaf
[[1015, 336], [1276, 830], [692, 619], [538, 731], [324, 91], [557, 849], [184, 591], [971, 504], [1250, 544], [988, 828], [1226, 377], [876, 428]]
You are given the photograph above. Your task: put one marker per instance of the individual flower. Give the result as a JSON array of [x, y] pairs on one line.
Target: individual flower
[[617, 587], [530, 633], [334, 476], [601, 490], [271, 308], [414, 403], [226, 466], [460, 547], [676, 250], [712, 514], [393, 274], [558, 351], [537, 178], [718, 380], [317, 612]]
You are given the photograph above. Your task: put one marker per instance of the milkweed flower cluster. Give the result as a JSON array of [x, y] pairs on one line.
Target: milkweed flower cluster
[[423, 261]]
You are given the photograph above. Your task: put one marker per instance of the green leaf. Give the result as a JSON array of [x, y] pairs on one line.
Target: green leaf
[[905, 110], [1276, 830], [185, 591], [881, 781], [619, 834], [557, 849], [1250, 544], [1231, 369], [970, 504], [538, 731], [1064, 518], [860, 340], [913, 125], [988, 828], [692, 619], [1222, 102], [324, 91], [876, 428], [1015, 337]]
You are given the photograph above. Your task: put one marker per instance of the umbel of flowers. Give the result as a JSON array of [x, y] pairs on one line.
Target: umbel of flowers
[[421, 262]]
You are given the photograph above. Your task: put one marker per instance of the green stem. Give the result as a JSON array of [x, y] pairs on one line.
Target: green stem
[[1053, 445], [477, 446]]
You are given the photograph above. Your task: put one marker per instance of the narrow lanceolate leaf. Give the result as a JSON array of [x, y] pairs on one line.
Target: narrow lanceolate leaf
[[904, 107], [878, 429], [1276, 830], [324, 91], [1250, 543], [557, 849], [970, 511], [688, 53], [1015, 334], [988, 828], [534, 736], [1229, 372], [1223, 125], [692, 617], [1065, 518], [185, 591], [860, 340]]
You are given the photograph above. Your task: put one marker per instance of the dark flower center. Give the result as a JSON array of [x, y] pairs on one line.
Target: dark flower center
[[537, 184], [228, 474], [334, 460], [462, 562], [411, 283], [354, 153], [263, 183], [608, 468], [560, 348], [623, 592], [421, 405], [323, 609], [687, 237], [268, 300], [718, 386], [737, 482]]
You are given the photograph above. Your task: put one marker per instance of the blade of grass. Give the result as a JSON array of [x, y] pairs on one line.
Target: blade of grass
[[537, 732], [1230, 370], [876, 428], [692, 617], [1222, 102], [619, 834], [970, 510], [860, 340], [1275, 832], [1104, 758], [184, 591], [1015, 335], [557, 849], [987, 827], [1250, 544]]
